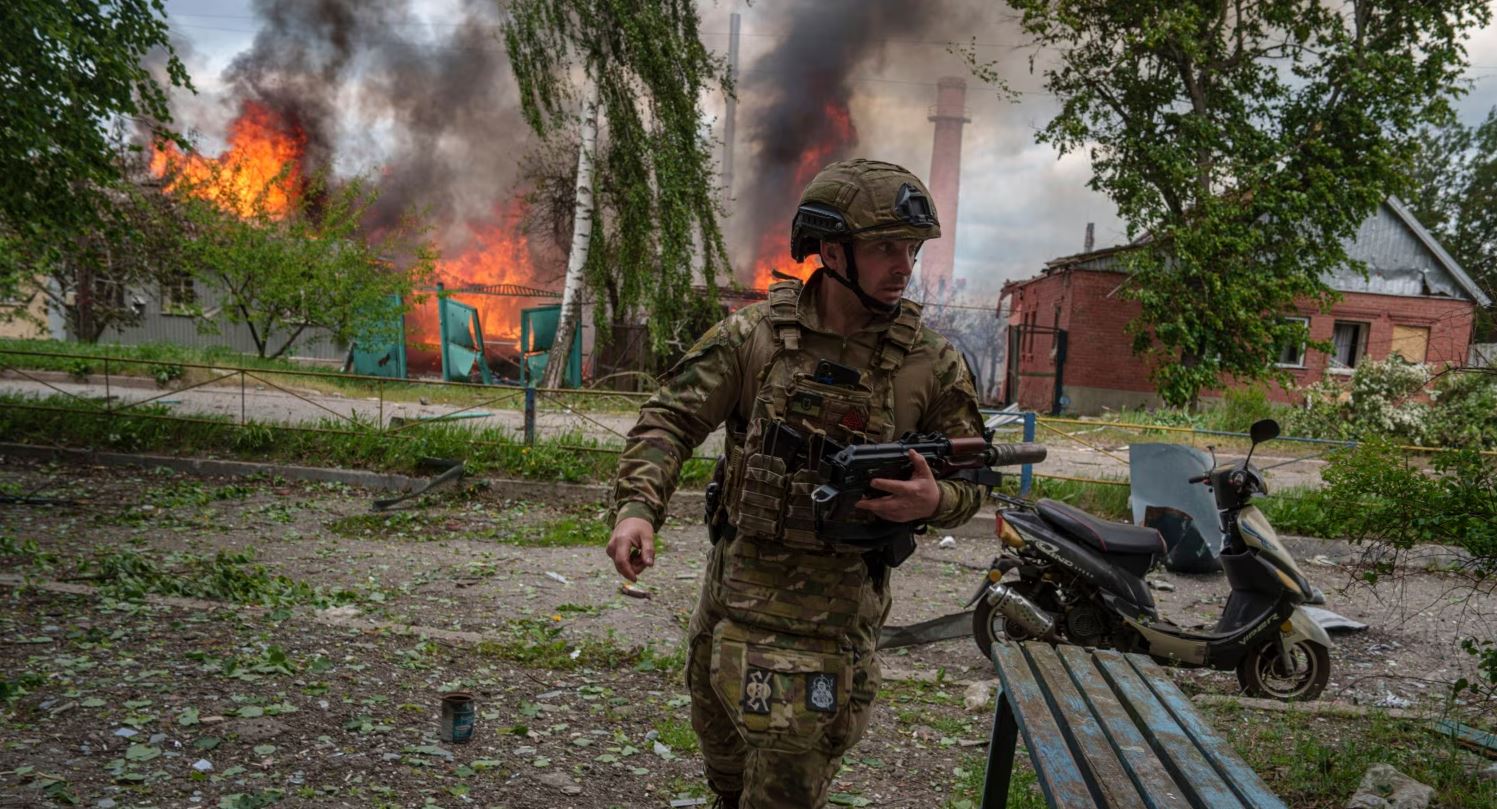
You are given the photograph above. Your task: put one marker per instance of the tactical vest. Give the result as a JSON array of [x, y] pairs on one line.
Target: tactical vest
[[778, 574]]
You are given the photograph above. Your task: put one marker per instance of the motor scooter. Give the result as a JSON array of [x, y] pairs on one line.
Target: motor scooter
[[1080, 579]]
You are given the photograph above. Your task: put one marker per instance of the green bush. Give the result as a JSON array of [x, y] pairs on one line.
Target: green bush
[[1239, 408], [1377, 495], [1466, 411], [1382, 399]]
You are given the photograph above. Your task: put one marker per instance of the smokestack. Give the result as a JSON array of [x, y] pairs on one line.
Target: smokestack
[[1091, 237], [729, 119], [938, 259]]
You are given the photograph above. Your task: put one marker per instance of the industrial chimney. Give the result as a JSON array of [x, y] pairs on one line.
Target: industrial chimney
[[938, 258]]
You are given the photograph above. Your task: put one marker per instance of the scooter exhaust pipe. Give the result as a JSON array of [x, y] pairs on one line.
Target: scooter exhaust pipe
[[1015, 607]]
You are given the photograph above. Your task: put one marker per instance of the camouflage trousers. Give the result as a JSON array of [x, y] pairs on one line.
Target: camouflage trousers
[[768, 778]]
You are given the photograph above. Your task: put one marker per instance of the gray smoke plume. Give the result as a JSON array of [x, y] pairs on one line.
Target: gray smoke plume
[[796, 92], [432, 104]]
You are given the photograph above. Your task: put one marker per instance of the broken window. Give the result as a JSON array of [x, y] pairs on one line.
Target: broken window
[[1348, 344]]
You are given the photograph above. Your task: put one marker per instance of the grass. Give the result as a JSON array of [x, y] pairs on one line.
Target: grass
[[1108, 501], [232, 577], [154, 429], [167, 364], [1317, 763], [678, 735]]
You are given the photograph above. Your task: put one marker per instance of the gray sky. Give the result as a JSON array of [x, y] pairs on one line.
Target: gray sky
[[1020, 204]]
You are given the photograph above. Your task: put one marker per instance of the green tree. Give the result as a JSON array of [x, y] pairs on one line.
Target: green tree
[[1454, 194], [98, 278], [72, 70], [1243, 142], [310, 268], [644, 62]]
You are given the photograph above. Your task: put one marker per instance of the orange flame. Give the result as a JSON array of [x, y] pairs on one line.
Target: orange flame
[[261, 170], [497, 254], [773, 253]]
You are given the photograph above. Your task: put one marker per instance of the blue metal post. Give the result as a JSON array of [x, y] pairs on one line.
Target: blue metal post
[[529, 416], [1026, 475], [442, 330]]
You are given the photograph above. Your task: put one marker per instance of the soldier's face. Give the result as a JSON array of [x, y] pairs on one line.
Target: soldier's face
[[884, 265]]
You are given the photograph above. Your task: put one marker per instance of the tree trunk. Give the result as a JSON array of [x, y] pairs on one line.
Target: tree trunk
[[582, 232]]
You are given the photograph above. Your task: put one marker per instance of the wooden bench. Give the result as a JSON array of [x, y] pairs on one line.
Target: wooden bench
[[1106, 729]]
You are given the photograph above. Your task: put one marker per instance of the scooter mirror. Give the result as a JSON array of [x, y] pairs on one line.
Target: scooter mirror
[[1265, 430]]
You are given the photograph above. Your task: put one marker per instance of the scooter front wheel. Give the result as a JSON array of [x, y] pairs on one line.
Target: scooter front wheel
[[1262, 672]]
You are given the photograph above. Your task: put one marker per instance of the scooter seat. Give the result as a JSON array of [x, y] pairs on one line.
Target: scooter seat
[[1107, 537]]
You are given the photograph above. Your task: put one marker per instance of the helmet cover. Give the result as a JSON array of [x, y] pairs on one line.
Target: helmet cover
[[862, 199]]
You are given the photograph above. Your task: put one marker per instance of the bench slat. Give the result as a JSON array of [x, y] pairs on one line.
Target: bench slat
[[1224, 758], [1135, 752], [1083, 732], [1060, 778], [1171, 743]]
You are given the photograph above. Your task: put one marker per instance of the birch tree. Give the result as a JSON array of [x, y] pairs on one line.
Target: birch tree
[[652, 200]]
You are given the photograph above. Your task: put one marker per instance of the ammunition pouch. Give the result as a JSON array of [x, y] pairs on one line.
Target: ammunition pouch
[[767, 585]]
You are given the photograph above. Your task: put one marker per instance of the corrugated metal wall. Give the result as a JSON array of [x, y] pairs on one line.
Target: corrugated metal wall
[[157, 326]]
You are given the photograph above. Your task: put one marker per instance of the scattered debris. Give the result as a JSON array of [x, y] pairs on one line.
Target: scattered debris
[[554, 576], [979, 695], [1384, 787], [1332, 622], [1477, 741], [1392, 700], [1161, 585], [680, 803], [561, 781], [454, 471], [202, 765], [634, 590], [947, 541]]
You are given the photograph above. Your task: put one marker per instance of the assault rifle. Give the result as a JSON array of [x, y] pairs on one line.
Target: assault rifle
[[850, 472]]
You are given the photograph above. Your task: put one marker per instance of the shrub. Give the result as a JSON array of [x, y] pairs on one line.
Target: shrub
[[1466, 411], [1381, 400], [1376, 495]]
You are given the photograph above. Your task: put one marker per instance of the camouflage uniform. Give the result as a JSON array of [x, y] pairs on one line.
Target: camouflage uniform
[[781, 666]]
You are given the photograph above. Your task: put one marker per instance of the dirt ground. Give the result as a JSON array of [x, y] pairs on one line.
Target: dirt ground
[[328, 700]]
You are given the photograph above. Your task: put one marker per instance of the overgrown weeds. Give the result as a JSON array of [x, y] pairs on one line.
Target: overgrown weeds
[[231, 577], [571, 458]]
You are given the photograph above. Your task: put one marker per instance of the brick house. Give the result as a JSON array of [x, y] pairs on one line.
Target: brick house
[[1068, 350]]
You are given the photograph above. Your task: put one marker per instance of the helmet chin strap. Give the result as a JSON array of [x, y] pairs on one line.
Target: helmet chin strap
[[869, 302]]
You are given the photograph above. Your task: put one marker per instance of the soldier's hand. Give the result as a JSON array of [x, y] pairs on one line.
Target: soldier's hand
[[909, 500], [632, 546]]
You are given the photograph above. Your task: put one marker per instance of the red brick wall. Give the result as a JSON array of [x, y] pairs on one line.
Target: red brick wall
[[1100, 356]]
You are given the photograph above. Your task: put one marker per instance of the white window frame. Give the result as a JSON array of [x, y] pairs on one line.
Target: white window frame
[[1300, 364]]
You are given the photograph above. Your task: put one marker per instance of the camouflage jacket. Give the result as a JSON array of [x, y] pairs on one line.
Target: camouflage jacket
[[714, 384]]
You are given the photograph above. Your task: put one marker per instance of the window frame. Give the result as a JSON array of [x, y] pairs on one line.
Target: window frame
[[1359, 351], [1299, 364]]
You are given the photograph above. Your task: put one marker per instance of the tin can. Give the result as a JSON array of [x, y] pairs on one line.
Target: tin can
[[458, 715]]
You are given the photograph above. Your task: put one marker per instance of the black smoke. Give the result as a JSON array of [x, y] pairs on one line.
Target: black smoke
[[793, 93], [427, 105]]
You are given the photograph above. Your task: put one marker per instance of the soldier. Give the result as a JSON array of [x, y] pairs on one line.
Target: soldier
[[780, 658]]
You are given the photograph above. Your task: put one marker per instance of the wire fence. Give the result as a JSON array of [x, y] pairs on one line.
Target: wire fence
[[1082, 450], [311, 400]]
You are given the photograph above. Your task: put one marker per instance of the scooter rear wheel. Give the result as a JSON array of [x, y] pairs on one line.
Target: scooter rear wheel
[[1261, 673]]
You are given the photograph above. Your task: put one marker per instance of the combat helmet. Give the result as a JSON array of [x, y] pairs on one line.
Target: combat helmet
[[858, 200]]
